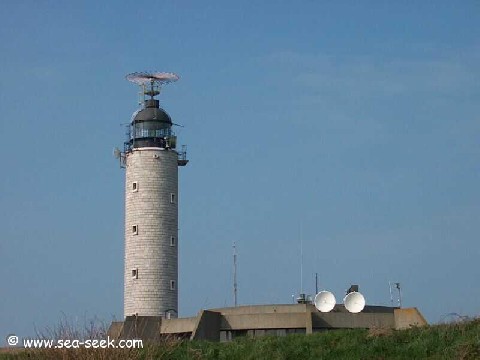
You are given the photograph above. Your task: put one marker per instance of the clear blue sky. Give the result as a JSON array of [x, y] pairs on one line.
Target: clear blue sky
[[353, 126]]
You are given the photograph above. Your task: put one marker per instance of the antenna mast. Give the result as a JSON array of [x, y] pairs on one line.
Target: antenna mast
[[301, 262], [397, 285], [234, 274], [391, 294]]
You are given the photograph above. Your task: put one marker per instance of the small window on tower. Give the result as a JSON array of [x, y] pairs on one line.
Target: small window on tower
[[135, 186], [172, 198], [172, 241], [172, 284], [135, 273], [135, 229]]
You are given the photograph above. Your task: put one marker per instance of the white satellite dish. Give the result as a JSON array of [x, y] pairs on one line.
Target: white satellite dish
[[354, 302], [117, 153], [324, 301]]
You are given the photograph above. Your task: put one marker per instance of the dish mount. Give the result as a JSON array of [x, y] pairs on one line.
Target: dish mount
[[151, 82]]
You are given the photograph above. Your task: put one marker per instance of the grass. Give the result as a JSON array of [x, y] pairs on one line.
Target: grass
[[446, 341]]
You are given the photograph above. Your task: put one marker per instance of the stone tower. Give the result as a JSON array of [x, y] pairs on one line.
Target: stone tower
[[151, 162]]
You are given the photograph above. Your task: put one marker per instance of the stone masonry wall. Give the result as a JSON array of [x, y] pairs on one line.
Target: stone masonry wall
[[151, 256]]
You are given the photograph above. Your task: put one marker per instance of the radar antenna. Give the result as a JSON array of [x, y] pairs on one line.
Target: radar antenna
[[151, 82]]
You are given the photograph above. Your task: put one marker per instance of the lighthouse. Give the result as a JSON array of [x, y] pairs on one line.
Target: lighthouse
[[151, 162]]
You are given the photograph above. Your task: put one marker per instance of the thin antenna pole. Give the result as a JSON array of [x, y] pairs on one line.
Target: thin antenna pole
[[391, 294], [234, 274], [301, 262], [316, 283]]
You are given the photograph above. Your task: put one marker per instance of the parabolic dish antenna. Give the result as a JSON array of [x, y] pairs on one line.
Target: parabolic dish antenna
[[117, 153], [324, 301], [145, 77], [354, 302]]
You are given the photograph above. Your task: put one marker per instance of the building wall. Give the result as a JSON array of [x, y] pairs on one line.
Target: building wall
[[405, 318], [148, 250], [226, 324]]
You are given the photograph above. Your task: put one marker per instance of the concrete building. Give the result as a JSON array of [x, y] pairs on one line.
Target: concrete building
[[151, 162], [226, 324]]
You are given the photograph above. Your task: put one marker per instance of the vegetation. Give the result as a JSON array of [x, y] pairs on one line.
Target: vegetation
[[448, 341]]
